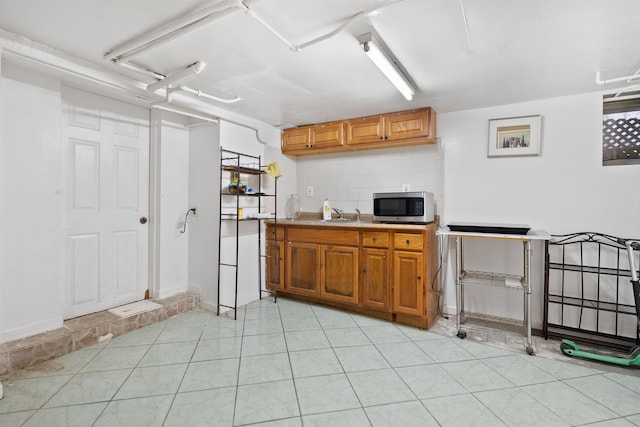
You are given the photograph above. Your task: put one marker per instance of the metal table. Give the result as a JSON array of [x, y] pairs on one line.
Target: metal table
[[489, 278]]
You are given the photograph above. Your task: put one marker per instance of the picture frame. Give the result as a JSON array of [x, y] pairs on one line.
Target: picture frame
[[514, 136]]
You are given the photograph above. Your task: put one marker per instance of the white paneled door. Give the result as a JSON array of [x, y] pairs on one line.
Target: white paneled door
[[106, 166]]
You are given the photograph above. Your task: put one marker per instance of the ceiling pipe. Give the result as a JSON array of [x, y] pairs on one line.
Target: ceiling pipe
[[273, 31], [618, 96], [168, 106], [169, 30], [632, 77], [297, 48], [139, 69], [334, 32], [194, 68], [184, 112], [466, 25], [201, 94]]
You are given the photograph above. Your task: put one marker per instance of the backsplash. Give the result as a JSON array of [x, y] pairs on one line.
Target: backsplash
[[349, 179]]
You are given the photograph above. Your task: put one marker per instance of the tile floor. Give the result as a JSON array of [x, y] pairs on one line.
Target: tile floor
[[295, 364]]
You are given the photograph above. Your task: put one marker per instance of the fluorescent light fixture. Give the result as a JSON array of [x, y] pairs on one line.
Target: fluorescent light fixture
[[386, 62]]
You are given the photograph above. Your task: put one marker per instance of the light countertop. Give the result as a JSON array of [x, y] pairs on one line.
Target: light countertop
[[314, 220]]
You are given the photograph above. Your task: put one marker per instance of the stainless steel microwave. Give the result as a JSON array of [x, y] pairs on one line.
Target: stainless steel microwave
[[408, 206]]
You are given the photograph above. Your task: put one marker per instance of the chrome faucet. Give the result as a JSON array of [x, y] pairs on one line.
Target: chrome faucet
[[357, 214], [340, 213]]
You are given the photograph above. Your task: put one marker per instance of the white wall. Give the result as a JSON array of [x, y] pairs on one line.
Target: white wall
[[204, 178], [173, 265], [348, 180], [565, 189], [31, 205]]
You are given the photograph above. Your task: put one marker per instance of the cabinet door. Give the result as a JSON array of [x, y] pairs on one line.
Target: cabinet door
[[408, 282], [327, 135], [303, 272], [365, 130], [295, 139], [339, 280], [275, 265], [375, 278], [407, 124]]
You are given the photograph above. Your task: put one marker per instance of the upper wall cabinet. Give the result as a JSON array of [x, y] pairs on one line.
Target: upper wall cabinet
[[327, 135], [398, 129], [310, 139], [295, 139]]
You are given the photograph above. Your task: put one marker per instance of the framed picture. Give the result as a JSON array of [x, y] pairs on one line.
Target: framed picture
[[514, 136]]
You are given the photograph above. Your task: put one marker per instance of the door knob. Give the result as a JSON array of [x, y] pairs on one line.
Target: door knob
[[143, 220]]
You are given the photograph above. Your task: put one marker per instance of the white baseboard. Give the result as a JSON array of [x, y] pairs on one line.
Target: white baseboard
[[209, 306], [31, 329]]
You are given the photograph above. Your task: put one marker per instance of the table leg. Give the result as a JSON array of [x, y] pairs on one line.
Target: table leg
[[444, 262], [527, 263], [459, 287]]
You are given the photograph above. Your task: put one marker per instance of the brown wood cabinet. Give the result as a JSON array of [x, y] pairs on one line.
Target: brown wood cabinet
[[327, 135], [401, 126], [376, 289], [397, 129], [323, 262], [365, 130], [275, 258], [407, 125], [375, 278], [385, 271], [309, 139], [275, 265], [339, 273], [408, 282], [302, 266], [408, 273], [296, 139]]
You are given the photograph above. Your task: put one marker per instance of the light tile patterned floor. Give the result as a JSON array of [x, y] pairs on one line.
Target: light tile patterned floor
[[294, 364]]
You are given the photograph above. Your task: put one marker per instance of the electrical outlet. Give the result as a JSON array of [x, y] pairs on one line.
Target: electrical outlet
[[406, 187], [309, 190]]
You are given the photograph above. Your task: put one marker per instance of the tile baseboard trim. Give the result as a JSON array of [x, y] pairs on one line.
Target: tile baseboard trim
[[86, 330]]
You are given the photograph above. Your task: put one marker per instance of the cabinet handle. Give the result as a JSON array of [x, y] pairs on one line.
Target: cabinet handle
[[386, 137], [381, 138], [419, 278], [364, 270], [408, 241], [374, 239]]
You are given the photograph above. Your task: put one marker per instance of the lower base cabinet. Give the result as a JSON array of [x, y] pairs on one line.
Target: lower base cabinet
[[339, 273], [376, 291], [275, 265], [383, 273], [301, 265], [408, 282]]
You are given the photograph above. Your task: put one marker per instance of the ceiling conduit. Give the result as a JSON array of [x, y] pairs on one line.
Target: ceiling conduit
[[122, 54], [184, 112], [180, 26], [630, 78], [194, 68], [297, 48], [199, 94]]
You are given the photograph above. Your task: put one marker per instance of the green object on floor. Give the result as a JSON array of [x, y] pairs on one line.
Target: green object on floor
[[632, 358]]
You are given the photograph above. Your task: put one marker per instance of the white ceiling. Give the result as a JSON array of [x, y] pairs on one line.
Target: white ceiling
[[516, 50]]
